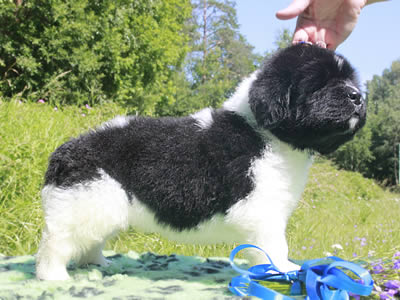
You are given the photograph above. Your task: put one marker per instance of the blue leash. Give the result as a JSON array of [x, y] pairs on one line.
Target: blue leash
[[323, 279]]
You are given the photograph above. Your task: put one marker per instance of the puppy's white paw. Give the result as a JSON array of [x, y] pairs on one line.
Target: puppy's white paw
[[286, 266], [103, 262], [99, 260], [60, 274]]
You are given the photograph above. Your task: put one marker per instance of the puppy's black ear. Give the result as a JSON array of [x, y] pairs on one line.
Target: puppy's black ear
[[269, 99]]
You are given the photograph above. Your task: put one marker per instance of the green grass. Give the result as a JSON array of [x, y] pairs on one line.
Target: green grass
[[341, 207], [338, 207], [28, 134]]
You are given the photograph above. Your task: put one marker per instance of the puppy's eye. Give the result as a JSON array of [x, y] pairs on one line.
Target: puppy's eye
[[355, 97]]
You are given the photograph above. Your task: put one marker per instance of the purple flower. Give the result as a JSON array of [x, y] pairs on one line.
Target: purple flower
[[378, 269], [41, 101], [396, 265], [392, 292], [392, 284], [354, 296], [385, 295], [388, 294], [363, 242], [396, 255], [354, 254], [87, 106]]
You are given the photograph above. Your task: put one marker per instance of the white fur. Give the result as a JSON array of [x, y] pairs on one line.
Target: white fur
[[239, 102], [204, 118], [351, 85], [353, 122], [118, 121], [339, 61], [279, 177], [78, 221], [215, 230]]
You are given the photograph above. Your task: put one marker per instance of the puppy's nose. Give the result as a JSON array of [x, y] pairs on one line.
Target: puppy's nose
[[355, 97]]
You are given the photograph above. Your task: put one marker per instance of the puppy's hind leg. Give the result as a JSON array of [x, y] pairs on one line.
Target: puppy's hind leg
[[58, 244], [79, 219], [53, 256], [94, 256]]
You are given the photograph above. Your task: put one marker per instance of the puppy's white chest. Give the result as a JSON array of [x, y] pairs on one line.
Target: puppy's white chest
[[279, 177]]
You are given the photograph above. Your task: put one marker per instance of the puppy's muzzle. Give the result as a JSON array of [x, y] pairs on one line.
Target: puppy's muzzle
[[358, 102], [356, 98]]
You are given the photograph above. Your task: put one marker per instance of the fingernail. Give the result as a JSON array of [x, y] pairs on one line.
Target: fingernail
[[321, 44]]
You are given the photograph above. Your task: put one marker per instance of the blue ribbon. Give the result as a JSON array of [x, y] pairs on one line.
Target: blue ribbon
[[323, 278]]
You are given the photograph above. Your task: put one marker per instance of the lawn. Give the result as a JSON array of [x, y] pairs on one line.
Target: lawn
[[340, 213]]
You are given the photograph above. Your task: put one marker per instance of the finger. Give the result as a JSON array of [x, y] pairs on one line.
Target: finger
[[300, 35], [293, 10], [320, 38], [332, 42]]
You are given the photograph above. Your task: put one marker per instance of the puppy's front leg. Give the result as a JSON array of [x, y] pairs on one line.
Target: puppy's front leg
[[263, 226], [273, 241]]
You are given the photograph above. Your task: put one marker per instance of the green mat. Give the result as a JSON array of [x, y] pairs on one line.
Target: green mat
[[130, 276]]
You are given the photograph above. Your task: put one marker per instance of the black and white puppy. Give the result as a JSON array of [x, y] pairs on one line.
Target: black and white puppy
[[233, 174]]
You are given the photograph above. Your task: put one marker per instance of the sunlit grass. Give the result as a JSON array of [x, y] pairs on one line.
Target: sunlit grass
[[338, 207]]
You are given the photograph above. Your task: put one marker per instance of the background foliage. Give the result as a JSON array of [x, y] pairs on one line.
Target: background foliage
[[37, 129], [173, 57], [74, 52], [374, 152], [162, 58], [219, 57]]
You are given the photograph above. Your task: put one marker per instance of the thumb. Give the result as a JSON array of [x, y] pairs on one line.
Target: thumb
[[293, 10]]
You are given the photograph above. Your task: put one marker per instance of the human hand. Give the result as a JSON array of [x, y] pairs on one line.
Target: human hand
[[326, 23]]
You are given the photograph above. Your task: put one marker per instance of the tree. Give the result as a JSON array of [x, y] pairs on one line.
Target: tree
[[374, 151], [356, 155], [283, 40], [91, 51], [219, 58]]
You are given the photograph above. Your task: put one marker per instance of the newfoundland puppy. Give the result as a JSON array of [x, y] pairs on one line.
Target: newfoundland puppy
[[233, 174]]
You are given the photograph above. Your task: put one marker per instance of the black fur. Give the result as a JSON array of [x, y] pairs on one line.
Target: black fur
[[301, 96], [184, 174]]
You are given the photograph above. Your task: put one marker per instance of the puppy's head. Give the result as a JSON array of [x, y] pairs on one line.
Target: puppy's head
[[308, 97]]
